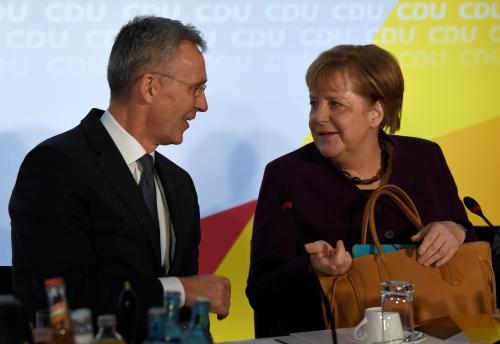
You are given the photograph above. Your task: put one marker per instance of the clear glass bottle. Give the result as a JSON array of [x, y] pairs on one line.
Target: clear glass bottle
[[173, 332], [156, 326], [82, 326], [198, 331], [107, 330], [59, 311], [127, 313]]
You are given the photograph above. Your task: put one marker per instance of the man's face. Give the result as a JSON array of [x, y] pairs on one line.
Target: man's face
[[177, 101]]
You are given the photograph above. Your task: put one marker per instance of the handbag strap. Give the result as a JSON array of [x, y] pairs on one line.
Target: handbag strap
[[449, 271], [402, 201], [357, 295]]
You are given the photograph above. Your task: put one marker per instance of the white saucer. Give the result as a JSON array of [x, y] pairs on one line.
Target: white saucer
[[421, 337]]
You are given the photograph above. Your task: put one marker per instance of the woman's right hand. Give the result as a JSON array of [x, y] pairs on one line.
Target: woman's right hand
[[327, 260]]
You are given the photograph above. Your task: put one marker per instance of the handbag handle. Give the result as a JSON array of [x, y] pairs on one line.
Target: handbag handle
[[400, 198], [449, 271]]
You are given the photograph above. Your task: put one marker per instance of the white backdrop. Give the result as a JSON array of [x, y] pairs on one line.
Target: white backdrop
[[53, 57]]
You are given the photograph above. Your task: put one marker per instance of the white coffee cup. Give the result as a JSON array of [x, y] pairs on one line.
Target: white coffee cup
[[374, 329]]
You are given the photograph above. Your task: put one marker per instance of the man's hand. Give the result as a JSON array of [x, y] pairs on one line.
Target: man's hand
[[216, 288], [440, 241], [327, 260]]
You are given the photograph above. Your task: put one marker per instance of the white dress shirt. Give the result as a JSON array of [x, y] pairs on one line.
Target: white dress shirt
[[131, 151]]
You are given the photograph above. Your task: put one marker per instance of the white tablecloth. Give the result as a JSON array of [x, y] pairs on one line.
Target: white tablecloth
[[344, 336]]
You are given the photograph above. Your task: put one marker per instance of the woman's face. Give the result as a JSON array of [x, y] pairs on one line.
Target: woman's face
[[342, 122]]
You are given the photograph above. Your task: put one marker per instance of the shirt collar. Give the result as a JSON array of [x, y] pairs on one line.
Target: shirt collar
[[129, 147]]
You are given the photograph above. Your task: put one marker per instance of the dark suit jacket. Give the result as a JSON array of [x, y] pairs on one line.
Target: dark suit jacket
[[328, 206], [77, 212]]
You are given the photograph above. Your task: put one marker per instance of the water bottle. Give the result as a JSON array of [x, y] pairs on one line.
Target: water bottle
[[107, 330], [156, 326], [173, 332], [198, 331], [82, 326]]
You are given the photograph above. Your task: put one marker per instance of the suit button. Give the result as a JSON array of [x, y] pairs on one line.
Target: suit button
[[389, 234]]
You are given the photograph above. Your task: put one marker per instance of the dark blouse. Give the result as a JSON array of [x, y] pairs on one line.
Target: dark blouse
[[328, 206]]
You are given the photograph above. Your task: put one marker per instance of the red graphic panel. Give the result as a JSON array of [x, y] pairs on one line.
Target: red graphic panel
[[219, 232]]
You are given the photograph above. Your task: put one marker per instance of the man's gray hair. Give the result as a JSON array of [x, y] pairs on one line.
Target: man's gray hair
[[146, 42]]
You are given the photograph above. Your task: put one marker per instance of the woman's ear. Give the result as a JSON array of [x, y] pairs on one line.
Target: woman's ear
[[376, 114]]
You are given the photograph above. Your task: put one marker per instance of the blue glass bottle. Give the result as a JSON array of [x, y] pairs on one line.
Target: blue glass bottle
[[173, 332], [198, 331], [156, 326]]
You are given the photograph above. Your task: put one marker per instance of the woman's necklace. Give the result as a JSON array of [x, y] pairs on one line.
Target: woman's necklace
[[384, 159]]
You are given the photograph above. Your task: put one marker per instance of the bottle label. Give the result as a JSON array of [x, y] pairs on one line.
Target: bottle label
[[58, 316]]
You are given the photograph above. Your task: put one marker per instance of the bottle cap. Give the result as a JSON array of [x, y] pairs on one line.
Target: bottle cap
[[81, 314], [171, 297], [153, 311], [202, 299], [52, 282], [173, 294], [106, 320], [202, 304]]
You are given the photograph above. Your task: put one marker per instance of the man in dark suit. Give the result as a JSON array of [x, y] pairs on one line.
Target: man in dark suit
[[98, 206]]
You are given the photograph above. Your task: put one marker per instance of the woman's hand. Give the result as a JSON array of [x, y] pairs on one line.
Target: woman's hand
[[327, 260], [440, 241]]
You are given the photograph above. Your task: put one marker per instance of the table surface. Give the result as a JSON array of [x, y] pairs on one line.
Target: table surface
[[478, 328], [344, 335]]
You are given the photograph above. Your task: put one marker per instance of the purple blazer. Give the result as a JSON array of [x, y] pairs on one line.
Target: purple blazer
[[328, 206]]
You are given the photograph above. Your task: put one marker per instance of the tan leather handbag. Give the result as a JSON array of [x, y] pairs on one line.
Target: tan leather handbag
[[465, 284]]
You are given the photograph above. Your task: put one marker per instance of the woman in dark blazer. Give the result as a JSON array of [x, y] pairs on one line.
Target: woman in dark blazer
[[355, 93]]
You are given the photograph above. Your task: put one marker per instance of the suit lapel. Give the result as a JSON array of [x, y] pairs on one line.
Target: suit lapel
[[168, 178], [112, 165]]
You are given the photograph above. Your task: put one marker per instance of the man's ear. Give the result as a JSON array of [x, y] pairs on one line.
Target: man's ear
[[148, 87], [376, 114]]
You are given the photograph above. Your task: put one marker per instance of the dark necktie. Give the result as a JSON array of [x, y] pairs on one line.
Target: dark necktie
[[147, 184]]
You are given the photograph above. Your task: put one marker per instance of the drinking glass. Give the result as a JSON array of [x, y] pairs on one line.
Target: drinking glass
[[397, 296], [42, 319]]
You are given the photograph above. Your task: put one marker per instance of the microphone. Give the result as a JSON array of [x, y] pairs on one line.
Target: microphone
[[287, 206], [475, 208]]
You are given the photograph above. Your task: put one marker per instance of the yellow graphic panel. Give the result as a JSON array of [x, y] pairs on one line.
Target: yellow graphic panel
[[473, 156], [479, 328], [449, 54], [239, 324]]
